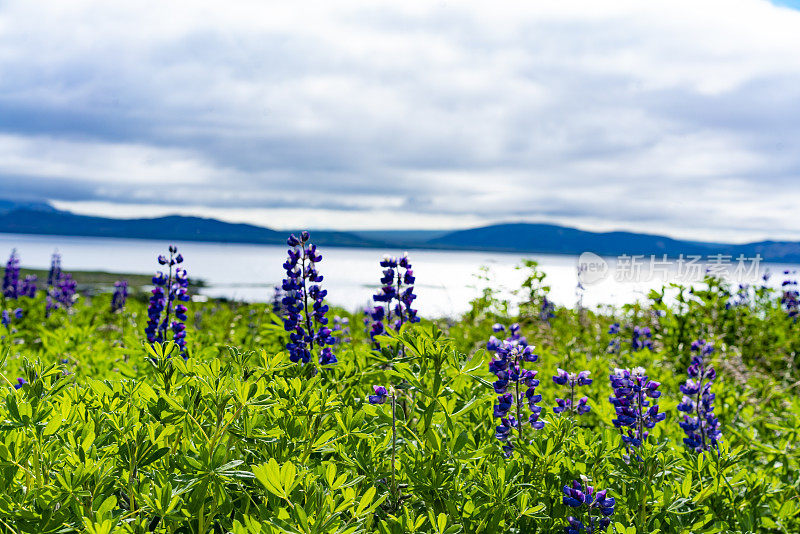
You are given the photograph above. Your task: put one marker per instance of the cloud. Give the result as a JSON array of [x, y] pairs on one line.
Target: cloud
[[676, 117]]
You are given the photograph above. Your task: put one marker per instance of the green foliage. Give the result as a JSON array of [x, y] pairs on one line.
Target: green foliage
[[111, 435]]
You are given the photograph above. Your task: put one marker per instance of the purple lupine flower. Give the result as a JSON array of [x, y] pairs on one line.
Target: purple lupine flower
[[547, 310], [641, 338], [55, 269], [508, 367], [790, 298], [572, 380], [598, 507], [632, 389], [61, 287], [304, 305], [6, 317], [341, 325], [394, 297], [741, 298], [29, 286], [700, 424], [380, 395], [11, 277], [20, 382], [615, 344], [170, 292], [277, 296], [65, 290], [120, 295]]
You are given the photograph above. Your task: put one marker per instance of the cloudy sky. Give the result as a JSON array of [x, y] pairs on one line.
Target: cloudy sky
[[679, 117]]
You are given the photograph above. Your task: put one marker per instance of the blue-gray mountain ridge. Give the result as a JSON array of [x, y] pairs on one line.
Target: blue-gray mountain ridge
[[42, 218]]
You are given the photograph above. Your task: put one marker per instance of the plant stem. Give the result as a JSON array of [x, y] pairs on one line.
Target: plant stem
[[700, 417], [394, 446], [305, 297], [165, 325], [519, 407], [572, 399]]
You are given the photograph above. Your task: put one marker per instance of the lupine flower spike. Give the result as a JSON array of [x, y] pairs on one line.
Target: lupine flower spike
[[635, 416], [61, 287], [277, 297], [11, 277], [572, 380], [29, 286], [304, 305], [55, 269], [642, 338], [593, 509], [167, 297], [120, 295], [614, 345], [395, 296], [508, 367], [790, 298], [547, 310], [342, 325], [699, 423]]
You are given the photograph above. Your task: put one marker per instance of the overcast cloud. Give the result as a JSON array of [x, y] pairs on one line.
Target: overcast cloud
[[677, 117]]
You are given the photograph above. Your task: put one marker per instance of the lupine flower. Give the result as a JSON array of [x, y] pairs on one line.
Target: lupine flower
[[63, 293], [5, 318], [380, 395], [508, 367], [700, 424], [20, 382], [547, 310], [572, 380], [29, 288], [740, 298], [641, 338], [120, 295], [11, 277], [304, 304], [61, 287], [170, 291], [394, 297], [790, 298], [598, 507], [632, 389], [341, 324], [277, 296], [55, 269], [614, 345]]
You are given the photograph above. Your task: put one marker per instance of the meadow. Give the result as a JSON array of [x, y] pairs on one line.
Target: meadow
[[149, 412]]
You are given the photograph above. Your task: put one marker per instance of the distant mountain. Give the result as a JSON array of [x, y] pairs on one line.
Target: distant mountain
[[554, 239], [11, 205], [38, 218], [173, 227]]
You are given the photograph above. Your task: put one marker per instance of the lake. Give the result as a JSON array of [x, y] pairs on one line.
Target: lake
[[446, 280]]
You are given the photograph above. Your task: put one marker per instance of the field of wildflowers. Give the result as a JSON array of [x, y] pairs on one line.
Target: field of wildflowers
[[129, 412]]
